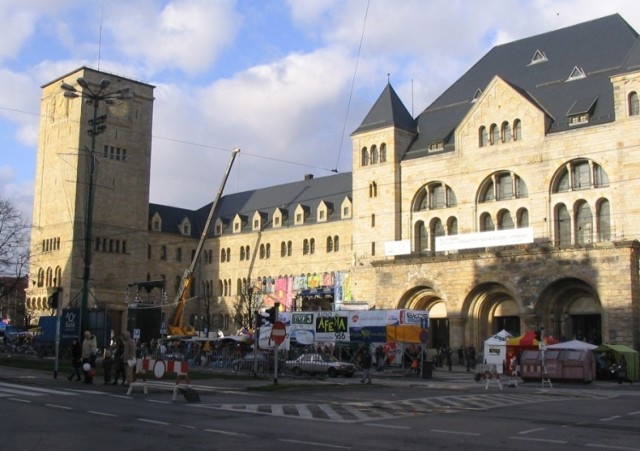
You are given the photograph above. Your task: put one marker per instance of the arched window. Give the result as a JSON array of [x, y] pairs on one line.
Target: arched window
[[263, 251], [494, 131], [268, 250], [329, 244], [505, 221], [223, 255], [486, 223], [584, 223], [517, 130], [374, 155], [312, 246], [502, 186], [523, 218], [604, 220], [634, 104], [242, 255], [579, 175], [49, 277], [305, 247], [336, 243], [57, 281], [283, 249], [505, 132], [365, 157], [563, 226], [452, 226], [373, 189], [289, 248], [436, 229], [383, 153], [421, 239], [433, 196], [483, 136]]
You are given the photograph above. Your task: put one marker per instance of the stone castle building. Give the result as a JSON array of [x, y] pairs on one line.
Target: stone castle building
[[508, 203]]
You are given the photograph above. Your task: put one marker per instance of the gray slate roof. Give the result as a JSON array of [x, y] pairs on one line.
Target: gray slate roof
[[332, 189], [601, 48], [387, 111]]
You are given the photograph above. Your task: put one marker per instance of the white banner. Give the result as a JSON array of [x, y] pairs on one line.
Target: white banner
[[484, 239]]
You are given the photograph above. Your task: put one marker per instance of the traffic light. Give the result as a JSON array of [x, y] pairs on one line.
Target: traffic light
[[272, 313], [54, 299]]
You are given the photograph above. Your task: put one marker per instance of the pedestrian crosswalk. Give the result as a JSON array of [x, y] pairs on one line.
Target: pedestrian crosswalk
[[8, 389], [354, 412]]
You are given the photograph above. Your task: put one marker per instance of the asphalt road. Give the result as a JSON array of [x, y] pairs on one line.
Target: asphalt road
[[395, 413]]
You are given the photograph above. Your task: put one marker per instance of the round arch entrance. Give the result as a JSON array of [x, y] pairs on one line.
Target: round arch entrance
[[571, 309], [426, 298], [490, 308]]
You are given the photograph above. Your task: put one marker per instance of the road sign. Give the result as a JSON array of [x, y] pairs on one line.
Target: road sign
[[278, 332], [424, 336]]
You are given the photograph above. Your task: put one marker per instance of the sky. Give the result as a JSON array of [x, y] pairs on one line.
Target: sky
[[286, 81]]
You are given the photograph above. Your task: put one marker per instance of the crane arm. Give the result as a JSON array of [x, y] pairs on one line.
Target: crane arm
[[177, 320]]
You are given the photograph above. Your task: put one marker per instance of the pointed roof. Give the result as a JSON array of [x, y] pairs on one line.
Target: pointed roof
[[388, 111]]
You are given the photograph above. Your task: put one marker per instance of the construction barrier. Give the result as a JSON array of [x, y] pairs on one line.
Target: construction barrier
[[159, 368]]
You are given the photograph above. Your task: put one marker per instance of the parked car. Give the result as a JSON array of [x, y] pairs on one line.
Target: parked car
[[320, 364]]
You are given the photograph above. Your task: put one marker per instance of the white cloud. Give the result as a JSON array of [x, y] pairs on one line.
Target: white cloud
[[186, 35]]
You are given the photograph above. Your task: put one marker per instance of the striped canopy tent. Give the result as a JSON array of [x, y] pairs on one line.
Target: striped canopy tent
[[528, 341]]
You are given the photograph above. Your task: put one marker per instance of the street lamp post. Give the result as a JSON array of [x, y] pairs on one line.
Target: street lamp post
[[92, 96]]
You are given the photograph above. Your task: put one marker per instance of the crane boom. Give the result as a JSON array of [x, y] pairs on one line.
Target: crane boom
[[177, 320]]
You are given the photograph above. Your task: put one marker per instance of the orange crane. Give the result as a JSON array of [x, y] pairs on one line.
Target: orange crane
[[176, 324]]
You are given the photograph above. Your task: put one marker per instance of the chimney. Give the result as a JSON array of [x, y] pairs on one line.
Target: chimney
[[308, 176]]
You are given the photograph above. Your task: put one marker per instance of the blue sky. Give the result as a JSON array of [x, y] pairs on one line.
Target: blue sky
[[272, 77]]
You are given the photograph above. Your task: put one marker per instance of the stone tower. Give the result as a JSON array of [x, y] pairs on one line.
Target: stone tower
[[378, 145], [120, 184]]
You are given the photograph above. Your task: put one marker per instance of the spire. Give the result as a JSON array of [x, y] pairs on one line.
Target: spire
[[388, 111]]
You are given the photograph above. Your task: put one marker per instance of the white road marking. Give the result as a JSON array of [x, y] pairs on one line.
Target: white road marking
[[146, 420], [104, 414], [544, 440], [326, 445], [444, 431]]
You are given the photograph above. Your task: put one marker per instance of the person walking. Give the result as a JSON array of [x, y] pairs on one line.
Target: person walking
[[76, 360], [89, 352], [107, 364], [366, 361], [118, 363], [129, 356]]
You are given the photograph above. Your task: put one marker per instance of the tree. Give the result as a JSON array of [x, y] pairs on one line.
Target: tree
[[246, 307], [14, 251], [14, 241]]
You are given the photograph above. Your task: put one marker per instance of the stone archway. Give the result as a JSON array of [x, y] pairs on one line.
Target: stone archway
[[570, 309], [427, 298], [488, 308]]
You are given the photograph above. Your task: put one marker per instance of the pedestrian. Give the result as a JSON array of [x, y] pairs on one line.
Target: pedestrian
[[107, 363], [379, 358], [129, 356], [448, 359], [622, 371], [76, 360], [89, 352], [366, 361], [118, 363], [460, 356]]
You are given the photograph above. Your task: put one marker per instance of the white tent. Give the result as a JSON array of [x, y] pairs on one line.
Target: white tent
[[495, 350], [575, 345]]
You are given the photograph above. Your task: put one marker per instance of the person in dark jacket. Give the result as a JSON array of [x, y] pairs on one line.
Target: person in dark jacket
[[76, 360], [366, 362]]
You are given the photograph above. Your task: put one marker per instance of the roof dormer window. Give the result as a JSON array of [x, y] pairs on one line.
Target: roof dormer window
[[538, 57], [576, 74]]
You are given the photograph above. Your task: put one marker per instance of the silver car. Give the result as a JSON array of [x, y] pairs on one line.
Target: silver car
[[320, 364]]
